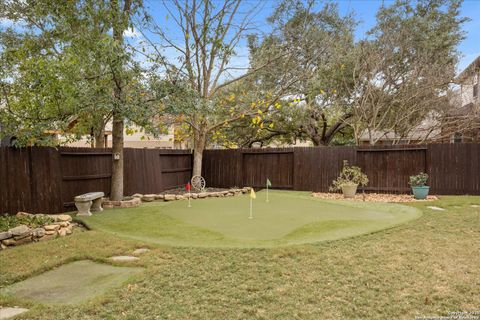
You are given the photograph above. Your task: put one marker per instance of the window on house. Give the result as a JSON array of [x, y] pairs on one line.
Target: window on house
[[457, 137]]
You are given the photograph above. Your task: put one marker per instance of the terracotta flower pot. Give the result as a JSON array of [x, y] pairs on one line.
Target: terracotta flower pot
[[349, 190]]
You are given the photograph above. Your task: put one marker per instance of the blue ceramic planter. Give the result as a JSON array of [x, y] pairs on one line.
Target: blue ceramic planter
[[420, 193]]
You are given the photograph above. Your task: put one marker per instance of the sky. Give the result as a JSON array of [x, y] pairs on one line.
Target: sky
[[364, 11]]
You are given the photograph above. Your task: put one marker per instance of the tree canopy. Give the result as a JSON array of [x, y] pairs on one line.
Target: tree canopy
[[67, 67]]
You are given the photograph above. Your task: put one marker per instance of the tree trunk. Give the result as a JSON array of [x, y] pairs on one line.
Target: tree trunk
[[317, 140], [199, 141], [120, 23], [100, 138], [116, 192]]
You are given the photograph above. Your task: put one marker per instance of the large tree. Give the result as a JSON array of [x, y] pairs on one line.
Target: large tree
[[65, 62], [403, 72], [322, 40], [204, 92]]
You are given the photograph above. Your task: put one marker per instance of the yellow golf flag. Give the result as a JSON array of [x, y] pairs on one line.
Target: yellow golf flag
[[252, 194]]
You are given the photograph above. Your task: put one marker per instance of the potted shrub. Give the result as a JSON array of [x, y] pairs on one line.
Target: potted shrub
[[349, 179], [419, 185]]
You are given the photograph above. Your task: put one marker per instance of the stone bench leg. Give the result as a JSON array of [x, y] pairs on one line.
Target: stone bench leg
[[83, 208], [97, 205]]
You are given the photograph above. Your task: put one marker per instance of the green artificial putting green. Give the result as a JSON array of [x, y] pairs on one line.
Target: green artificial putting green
[[72, 283], [288, 218]]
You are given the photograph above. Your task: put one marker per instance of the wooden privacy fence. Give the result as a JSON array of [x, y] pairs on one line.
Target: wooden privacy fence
[[47, 179], [453, 168]]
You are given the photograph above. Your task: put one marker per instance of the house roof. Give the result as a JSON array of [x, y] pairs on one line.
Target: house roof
[[472, 67]]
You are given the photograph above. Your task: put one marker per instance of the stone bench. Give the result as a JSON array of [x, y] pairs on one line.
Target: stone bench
[[89, 201]]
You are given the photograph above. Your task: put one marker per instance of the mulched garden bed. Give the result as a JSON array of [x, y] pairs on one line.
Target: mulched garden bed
[[373, 197]]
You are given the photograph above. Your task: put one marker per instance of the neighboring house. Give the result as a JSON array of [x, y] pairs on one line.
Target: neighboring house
[[464, 124], [134, 137], [425, 132]]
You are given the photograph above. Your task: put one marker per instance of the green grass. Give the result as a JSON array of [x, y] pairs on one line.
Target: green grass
[[427, 266], [288, 218]]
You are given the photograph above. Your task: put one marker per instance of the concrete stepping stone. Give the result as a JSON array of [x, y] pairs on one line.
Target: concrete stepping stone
[[436, 208], [7, 313], [124, 258], [140, 251]]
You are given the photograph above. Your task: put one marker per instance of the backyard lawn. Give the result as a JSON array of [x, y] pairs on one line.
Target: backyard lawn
[[426, 266]]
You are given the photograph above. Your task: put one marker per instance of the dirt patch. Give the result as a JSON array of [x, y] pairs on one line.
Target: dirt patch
[[373, 197]]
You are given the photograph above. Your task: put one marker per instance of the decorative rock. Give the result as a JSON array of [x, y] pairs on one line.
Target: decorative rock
[[69, 229], [23, 240], [179, 197], [140, 251], [124, 258], [2, 246], [64, 217], [5, 235], [62, 232], [132, 202], [159, 196], [148, 197], [169, 197], [194, 196], [23, 214], [51, 227], [6, 313], [9, 242], [202, 195], [126, 204], [20, 230], [137, 195], [60, 223], [50, 232], [23, 235], [39, 232]]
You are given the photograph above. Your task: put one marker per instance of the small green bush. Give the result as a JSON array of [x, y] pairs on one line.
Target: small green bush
[[9, 222], [418, 180], [350, 175]]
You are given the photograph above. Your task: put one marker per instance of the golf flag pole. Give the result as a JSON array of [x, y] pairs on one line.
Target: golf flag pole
[[269, 184], [189, 187], [252, 196]]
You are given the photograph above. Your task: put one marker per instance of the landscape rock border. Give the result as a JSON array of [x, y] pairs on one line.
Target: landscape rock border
[[128, 202], [194, 195], [61, 226]]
